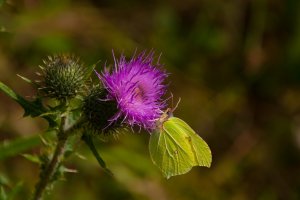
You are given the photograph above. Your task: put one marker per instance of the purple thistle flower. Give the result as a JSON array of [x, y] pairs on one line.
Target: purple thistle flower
[[137, 87]]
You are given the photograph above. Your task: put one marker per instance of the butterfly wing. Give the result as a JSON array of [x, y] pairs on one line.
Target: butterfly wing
[[170, 151], [176, 148], [201, 151]]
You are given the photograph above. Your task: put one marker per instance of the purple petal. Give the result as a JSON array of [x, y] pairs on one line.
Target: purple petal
[[137, 86]]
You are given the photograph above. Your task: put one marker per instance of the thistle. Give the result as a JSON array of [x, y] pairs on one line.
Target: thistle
[[97, 112], [137, 88], [62, 77], [129, 94]]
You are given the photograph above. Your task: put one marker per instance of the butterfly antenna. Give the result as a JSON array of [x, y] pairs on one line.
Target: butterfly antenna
[[172, 100], [167, 99], [176, 104]]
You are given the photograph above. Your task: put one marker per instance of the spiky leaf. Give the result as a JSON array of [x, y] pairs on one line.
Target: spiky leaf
[[89, 141], [31, 108]]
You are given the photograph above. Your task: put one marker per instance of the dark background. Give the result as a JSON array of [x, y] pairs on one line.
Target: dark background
[[235, 65]]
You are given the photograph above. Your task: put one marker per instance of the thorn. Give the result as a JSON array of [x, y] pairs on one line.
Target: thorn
[[70, 170], [44, 141]]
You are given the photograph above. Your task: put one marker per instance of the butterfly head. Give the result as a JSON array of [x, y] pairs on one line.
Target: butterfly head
[[165, 116]]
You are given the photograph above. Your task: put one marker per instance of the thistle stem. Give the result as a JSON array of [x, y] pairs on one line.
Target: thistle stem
[[51, 168]]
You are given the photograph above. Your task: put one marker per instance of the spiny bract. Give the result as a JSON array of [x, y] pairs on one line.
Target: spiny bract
[[63, 77], [98, 112]]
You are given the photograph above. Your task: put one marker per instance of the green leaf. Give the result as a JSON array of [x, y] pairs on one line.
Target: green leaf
[[4, 180], [73, 117], [3, 195], [15, 190], [89, 141], [176, 148], [71, 145], [15, 147], [1, 2], [90, 69], [32, 158], [34, 108], [31, 108]]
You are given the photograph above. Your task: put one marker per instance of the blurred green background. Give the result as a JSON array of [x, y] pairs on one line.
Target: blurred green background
[[235, 65]]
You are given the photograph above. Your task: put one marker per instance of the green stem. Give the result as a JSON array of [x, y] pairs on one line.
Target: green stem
[[51, 168]]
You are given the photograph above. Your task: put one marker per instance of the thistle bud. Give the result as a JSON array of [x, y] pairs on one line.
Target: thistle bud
[[100, 112], [62, 77]]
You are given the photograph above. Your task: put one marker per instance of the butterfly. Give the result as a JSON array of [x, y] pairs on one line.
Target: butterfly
[[175, 148]]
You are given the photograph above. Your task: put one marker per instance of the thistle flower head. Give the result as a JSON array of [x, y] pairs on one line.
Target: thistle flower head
[[62, 77], [98, 111], [137, 87]]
